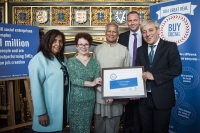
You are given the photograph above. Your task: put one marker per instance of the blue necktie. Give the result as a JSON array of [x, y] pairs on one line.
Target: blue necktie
[[134, 48], [151, 55]]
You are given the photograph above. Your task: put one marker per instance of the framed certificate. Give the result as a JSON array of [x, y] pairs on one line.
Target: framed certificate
[[126, 82]]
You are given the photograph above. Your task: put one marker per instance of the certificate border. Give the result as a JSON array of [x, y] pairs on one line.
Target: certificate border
[[104, 70]]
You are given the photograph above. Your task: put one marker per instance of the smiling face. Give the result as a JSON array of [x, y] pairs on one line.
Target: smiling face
[[83, 46], [111, 34], [57, 45], [150, 33], [133, 22]]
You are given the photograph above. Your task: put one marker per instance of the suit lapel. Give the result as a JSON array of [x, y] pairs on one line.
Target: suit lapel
[[158, 52], [126, 39], [145, 53]]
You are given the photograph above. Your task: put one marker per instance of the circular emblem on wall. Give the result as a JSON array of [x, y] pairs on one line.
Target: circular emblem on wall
[[113, 76], [175, 28]]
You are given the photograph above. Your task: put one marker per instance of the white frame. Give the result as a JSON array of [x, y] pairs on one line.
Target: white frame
[[122, 77]]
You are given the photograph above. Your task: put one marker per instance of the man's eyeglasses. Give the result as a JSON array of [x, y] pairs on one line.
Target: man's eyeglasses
[[83, 45]]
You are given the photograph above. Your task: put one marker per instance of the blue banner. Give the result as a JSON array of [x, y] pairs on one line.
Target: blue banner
[[180, 23], [18, 44], [123, 83]]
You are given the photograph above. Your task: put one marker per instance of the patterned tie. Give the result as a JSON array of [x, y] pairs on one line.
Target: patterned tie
[[151, 55], [134, 48]]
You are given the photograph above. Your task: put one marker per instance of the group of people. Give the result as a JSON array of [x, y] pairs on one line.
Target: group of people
[[70, 90]]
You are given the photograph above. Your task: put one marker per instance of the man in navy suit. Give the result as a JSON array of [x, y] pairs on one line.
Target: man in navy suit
[[131, 114], [162, 63]]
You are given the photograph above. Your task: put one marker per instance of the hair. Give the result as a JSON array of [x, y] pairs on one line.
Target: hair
[[133, 12], [47, 41], [150, 21], [84, 35], [112, 23]]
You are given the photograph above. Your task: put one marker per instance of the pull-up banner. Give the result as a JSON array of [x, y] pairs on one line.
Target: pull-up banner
[[180, 23], [18, 44]]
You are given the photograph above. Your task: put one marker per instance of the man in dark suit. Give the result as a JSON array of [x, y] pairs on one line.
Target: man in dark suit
[[131, 114], [162, 63]]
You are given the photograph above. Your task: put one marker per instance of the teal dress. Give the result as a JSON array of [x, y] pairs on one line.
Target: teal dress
[[81, 98]]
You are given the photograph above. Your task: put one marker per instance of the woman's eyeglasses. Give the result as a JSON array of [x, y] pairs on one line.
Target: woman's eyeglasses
[[83, 45]]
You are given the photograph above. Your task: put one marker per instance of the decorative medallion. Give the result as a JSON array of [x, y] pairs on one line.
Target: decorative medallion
[[41, 16], [22, 16], [120, 17], [80, 16], [100, 16], [141, 14], [61, 16]]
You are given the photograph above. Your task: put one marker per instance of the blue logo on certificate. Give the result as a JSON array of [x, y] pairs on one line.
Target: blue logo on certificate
[[123, 83]]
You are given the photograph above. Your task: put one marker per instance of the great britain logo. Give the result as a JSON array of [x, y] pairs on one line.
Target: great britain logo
[[175, 28]]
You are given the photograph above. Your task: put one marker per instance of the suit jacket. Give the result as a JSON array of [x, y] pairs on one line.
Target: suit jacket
[[47, 90], [124, 39], [166, 66]]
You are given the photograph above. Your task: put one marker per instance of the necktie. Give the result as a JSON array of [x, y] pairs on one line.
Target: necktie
[[151, 54], [134, 49]]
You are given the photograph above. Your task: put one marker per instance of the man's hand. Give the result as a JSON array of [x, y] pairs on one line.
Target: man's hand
[[147, 75], [125, 101], [109, 100], [134, 98]]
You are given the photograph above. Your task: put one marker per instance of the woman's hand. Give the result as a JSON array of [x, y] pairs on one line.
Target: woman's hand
[[98, 81], [43, 120]]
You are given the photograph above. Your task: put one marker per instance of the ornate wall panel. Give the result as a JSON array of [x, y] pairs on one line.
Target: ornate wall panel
[[80, 16], [22, 15], [85, 0], [100, 16], [85, 16], [60, 16]]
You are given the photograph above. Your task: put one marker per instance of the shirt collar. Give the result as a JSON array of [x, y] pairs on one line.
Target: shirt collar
[[112, 45], [138, 32], [156, 42]]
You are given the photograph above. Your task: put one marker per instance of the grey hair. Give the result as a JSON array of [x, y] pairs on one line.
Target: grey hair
[[112, 23], [150, 21]]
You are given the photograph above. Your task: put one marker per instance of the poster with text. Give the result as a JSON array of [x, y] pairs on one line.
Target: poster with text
[[18, 44], [180, 23]]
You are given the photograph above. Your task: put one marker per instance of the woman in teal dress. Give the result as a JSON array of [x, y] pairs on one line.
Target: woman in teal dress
[[84, 74]]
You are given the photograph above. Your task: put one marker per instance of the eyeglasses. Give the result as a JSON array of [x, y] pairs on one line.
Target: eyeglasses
[[83, 45]]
